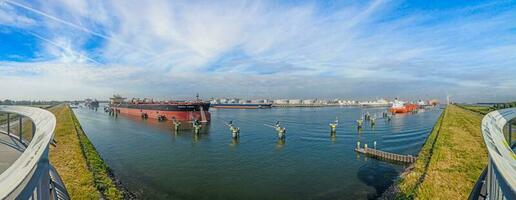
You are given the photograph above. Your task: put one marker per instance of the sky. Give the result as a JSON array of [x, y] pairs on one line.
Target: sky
[[422, 49]]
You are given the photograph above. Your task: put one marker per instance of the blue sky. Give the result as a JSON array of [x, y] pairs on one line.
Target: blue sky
[[72, 49]]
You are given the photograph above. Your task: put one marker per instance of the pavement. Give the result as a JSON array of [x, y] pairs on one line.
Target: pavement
[[10, 150]]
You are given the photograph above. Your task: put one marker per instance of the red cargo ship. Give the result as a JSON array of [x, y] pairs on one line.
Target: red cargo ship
[[402, 107], [162, 110]]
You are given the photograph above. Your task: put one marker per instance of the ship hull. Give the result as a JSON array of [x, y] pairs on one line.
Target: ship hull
[[181, 111], [169, 115], [404, 109]]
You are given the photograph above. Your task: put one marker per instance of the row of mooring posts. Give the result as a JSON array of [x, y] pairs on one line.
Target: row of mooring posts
[[372, 119], [197, 126], [281, 131], [112, 111]]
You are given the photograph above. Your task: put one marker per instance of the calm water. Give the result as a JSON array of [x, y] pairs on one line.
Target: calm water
[[159, 164]]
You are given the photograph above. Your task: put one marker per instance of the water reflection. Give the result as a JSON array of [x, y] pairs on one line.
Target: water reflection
[[183, 165], [234, 141], [280, 143], [378, 175], [333, 137]]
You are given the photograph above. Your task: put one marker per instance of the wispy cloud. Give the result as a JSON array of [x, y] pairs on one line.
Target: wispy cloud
[[301, 49]]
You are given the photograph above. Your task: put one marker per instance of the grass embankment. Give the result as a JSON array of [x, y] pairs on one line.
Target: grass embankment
[[478, 109], [450, 161], [83, 171]]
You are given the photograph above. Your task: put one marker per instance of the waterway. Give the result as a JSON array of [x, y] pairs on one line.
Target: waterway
[[156, 162]]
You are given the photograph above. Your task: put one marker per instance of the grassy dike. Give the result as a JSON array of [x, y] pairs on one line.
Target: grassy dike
[[450, 161], [83, 171]]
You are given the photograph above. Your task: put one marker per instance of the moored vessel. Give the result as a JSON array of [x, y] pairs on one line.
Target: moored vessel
[[402, 107], [162, 110]]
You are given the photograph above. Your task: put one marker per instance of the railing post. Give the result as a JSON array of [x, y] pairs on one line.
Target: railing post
[[510, 133], [8, 123], [33, 129], [21, 127]]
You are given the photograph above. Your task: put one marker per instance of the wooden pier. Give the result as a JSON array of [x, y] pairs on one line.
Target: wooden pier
[[386, 155]]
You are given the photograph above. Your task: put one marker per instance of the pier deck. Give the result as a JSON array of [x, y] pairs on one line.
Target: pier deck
[[10, 150], [386, 155]]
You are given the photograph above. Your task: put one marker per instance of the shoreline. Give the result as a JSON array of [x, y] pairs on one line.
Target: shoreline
[[89, 148], [83, 171], [442, 156]]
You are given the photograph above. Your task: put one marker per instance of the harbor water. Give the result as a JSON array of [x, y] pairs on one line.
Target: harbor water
[[156, 162]]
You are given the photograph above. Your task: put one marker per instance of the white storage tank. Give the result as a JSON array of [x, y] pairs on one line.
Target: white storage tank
[[308, 101], [281, 101], [322, 101], [294, 101]]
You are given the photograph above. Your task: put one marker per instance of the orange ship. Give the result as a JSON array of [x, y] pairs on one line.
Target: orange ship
[[402, 107]]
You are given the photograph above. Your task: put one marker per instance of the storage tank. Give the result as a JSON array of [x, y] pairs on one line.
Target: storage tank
[[321, 101], [308, 101], [281, 101], [294, 101]]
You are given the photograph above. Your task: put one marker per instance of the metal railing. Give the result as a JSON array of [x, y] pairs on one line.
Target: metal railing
[[31, 176], [501, 169]]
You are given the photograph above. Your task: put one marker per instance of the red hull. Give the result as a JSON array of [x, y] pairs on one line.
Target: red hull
[[169, 115], [405, 109]]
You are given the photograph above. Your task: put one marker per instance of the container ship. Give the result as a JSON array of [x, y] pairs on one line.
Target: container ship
[[402, 107], [162, 110]]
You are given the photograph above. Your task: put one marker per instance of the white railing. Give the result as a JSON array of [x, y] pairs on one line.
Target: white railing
[[29, 177], [501, 169]]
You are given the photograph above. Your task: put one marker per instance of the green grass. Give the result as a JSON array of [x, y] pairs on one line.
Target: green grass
[[84, 173], [100, 170], [478, 109], [450, 161]]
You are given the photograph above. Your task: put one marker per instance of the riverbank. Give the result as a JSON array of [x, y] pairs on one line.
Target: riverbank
[[450, 161], [83, 171]]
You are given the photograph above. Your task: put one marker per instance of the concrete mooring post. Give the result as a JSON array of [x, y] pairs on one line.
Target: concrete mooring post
[[359, 123], [235, 132], [197, 126], [281, 132], [333, 128]]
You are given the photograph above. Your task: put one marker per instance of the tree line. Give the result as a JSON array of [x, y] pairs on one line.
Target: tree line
[[505, 105], [26, 102]]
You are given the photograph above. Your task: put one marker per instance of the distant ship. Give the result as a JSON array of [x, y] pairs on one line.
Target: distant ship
[[162, 110], [242, 105], [402, 107], [377, 103], [91, 104]]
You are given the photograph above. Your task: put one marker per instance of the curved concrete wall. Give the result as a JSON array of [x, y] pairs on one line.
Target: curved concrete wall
[[28, 177], [501, 174]]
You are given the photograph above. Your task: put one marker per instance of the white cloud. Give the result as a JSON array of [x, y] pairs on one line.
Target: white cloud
[[9, 17], [196, 45]]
